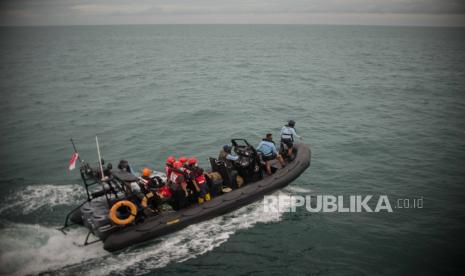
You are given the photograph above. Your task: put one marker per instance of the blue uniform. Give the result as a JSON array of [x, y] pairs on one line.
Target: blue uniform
[[267, 148], [232, 157], [288, 133]]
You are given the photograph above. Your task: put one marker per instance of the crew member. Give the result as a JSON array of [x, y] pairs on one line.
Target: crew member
[[226, 155], [199, 180], [191, 184], [178, 185], [268, 149], [148, 185], [288, 136], [169, 166], [148, 182]]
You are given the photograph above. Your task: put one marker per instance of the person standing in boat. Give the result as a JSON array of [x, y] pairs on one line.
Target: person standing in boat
[[268, 149], [288, 135]]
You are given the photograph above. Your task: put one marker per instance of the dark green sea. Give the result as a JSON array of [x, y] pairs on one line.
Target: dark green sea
[[381, 107]]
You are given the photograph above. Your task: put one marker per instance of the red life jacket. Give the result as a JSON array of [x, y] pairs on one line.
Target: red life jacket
[[174, 177], [165, 191], [200, 179], [196, 174]]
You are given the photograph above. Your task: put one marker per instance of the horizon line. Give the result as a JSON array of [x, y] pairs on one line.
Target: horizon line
[[234, 24]]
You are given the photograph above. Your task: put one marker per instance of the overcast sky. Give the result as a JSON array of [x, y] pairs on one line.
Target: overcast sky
[[365, 12]]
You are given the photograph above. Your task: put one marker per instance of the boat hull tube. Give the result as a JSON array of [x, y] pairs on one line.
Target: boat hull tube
[[115, 238]]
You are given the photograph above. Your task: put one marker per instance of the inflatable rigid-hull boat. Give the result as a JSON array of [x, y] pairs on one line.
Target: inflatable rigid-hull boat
[[170, 222]]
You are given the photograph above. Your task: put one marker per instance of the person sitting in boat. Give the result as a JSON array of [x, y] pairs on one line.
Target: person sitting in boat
[[198, 179], [178, 185], [191, 187], [169, 166], [268, 150], [148, 183], [227, 156], [157, 198], [155, 191], [288, 136], [158, 194], [230, 160]]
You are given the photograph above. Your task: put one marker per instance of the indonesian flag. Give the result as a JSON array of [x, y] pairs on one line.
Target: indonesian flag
[[72, 161]]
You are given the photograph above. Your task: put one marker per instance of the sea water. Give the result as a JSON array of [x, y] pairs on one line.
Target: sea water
[[381, 107]]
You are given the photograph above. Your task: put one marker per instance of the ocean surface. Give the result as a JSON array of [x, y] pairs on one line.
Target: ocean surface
[[381, 107]]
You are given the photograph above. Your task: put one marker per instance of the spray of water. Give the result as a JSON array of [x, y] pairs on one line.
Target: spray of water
[[35, 197], [30, 249], [297, 190]]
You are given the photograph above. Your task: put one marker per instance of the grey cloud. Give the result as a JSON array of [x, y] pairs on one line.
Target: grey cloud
[[257, 6], [140, 11], [312, 6]]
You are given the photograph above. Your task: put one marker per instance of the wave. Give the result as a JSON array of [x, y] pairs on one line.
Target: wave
[[34, 197], [297, 190], [32, 249]]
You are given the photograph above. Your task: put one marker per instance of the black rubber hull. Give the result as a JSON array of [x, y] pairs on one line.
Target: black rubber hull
[[169, 223]]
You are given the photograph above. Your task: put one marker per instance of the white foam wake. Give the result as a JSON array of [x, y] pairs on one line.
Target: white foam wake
[[297, 190], [46, 249], [30, 249], [34, 197]]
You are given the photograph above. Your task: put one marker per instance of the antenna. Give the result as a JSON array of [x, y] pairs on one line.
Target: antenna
[[99, 157]]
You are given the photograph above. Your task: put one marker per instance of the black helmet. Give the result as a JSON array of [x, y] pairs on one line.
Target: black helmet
[[291, 123], [227, 148]]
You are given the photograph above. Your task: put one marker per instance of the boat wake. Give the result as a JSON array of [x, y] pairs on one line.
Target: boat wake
[[33, 249], [35, 197], [297, 190]]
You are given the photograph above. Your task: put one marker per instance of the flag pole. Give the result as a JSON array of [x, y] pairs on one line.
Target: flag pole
[[99, 158], [75, 150]]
